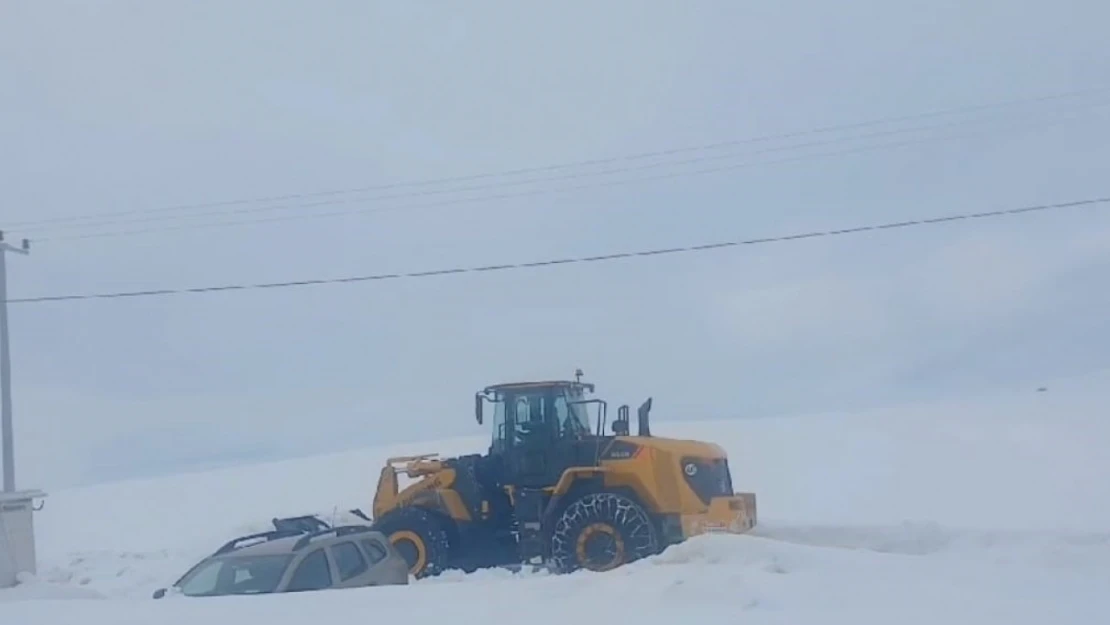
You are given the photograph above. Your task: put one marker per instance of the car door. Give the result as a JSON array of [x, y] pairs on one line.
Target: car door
[[351, 564], [313, 572], [386, 565]]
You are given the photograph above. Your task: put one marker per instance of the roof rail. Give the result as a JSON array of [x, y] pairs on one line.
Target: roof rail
[[340, 530], [234, 543]]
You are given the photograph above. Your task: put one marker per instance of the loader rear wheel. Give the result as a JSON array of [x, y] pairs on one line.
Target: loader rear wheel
[[600, 531], [421, 537]]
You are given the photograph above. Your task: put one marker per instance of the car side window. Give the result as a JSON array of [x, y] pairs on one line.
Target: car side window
[[312, 573], [376, 552], [349, 560]]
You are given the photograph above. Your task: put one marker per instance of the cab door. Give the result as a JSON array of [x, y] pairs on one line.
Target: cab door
[[530, 459]]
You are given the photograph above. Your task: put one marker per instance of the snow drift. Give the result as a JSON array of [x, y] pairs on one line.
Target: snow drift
[[993, 511]]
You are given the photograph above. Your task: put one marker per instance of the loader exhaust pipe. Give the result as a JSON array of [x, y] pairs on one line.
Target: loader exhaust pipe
[[643, 422]]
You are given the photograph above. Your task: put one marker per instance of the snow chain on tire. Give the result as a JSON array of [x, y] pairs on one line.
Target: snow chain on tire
[[601, 531]]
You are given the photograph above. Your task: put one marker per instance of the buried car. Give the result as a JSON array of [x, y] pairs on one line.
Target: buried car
[[292, 559]]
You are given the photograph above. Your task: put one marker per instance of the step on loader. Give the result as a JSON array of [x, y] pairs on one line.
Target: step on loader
[[555, 490]]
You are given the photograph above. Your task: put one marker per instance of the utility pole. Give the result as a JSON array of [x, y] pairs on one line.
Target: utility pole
[[17, 552], [6, 364]]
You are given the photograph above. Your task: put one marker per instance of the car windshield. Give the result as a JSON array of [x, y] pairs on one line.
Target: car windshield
[[235, 575]]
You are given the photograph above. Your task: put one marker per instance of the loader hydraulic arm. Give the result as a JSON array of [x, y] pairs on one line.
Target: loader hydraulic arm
[[385, 498]]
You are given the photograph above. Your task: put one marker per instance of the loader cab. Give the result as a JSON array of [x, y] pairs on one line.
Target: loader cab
[[541, 428]]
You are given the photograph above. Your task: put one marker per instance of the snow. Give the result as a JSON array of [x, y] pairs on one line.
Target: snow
[[985, 511]]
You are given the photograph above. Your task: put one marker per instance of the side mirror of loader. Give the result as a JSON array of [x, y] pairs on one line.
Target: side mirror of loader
[[478, 407]]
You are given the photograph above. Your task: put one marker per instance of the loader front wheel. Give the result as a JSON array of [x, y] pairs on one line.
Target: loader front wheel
[[601, 531], [420, 537]]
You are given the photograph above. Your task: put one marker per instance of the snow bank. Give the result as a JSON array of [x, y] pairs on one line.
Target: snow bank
[[710, 579], [1021, 461], [30, 587], [979, 512]]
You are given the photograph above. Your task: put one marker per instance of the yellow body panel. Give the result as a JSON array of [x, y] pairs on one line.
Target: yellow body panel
[[573, 474], [654, 473], [677, 446]]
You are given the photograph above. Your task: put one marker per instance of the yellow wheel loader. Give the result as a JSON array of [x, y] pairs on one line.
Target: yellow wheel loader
[[554, 490]]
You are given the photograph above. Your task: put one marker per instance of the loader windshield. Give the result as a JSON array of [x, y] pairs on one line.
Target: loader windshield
[[574, 417], [547, 411]]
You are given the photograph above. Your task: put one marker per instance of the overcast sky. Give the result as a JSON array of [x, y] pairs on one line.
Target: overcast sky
[[121, 109]]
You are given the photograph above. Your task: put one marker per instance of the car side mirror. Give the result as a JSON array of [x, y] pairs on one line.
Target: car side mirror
[[158, 594]]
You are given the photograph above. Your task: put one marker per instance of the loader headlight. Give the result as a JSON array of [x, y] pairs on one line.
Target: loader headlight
[[690, 469]]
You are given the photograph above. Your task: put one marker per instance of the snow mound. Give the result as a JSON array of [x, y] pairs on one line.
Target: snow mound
[[984, 513], [30, 587], [1068, 549]]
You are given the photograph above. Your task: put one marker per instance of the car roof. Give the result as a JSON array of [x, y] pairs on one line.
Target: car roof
[[285, 545], [265, 548]]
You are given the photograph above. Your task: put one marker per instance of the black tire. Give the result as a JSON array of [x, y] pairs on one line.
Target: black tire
[[421, 537], [600, 531]]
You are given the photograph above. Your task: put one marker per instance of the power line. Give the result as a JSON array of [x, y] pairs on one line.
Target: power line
[[573, 260], [705, 158], [564, 188], [73, 221]]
